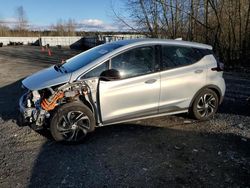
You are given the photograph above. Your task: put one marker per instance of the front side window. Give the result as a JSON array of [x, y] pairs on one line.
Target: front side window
[[96, 71], [135, 62], [176, 56]]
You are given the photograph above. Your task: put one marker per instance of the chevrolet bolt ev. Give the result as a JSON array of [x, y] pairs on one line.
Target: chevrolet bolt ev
[[123, 81]]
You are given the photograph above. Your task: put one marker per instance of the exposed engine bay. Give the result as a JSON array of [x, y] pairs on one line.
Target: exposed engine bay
[[36, 106]]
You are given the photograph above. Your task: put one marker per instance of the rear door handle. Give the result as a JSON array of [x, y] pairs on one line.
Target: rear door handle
[[198, 71], [151, 81]]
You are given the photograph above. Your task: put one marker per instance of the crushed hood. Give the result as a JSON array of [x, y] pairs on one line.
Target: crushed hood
[[46, 78]]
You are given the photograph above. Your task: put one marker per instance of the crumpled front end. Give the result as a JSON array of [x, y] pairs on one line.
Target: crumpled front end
[[37, 106], [31, 111]]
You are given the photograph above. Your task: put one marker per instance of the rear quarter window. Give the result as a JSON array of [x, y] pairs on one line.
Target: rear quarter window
[[177, 56]]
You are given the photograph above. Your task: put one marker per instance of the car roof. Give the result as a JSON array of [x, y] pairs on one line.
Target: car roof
[[132, 42]]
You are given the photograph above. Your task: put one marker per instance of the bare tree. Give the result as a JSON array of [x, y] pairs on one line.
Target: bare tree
[[22, 21], [222, 23], [4, 30], [71, 27], [64, 28]]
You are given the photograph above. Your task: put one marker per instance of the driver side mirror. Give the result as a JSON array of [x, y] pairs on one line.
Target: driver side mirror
[[110, 74]]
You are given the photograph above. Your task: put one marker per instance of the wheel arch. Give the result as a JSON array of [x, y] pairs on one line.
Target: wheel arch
[[87, 103], [214, 88], [91, 106]]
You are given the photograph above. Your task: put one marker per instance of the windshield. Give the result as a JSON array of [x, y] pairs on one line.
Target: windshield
[[87, 57]]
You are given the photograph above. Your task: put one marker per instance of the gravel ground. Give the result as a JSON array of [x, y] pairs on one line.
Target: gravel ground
[[172, 151]]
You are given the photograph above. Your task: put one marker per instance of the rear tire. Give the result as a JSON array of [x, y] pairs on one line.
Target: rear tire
[[71, 122], [205, 105]]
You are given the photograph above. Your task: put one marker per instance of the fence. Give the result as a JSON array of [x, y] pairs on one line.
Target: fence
[[89, 41]]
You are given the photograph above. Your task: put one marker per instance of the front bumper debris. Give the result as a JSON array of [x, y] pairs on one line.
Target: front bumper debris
[[31, 116], [25, 114]]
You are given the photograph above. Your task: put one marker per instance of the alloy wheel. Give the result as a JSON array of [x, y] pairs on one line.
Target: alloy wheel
[[206, 105], [73, 126]]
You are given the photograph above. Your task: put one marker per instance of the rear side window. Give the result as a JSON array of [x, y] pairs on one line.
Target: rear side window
[[176, 56]]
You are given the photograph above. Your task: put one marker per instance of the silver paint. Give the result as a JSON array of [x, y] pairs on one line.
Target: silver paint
[[45, 78], [161, 93]]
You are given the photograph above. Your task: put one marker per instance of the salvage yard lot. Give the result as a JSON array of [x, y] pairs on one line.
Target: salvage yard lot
[[168, 151]]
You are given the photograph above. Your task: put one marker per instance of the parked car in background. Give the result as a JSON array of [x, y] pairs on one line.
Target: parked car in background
[[123, 81]]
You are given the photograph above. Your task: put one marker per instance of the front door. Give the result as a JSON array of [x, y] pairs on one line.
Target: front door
[[137, 93]]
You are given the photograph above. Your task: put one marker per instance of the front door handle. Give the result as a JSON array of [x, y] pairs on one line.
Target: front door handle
[[151, 81], [198, 71]]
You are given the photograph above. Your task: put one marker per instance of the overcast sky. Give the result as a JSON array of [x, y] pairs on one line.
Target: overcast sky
[[92, 14]]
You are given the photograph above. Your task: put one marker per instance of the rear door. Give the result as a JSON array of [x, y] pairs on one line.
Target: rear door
[[183, 74], [137, 93]]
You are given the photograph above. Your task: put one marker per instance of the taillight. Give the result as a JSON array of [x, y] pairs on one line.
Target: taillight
[[220, 65]]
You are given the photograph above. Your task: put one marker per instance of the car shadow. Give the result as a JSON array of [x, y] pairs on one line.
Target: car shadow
[[9, 97], [128, 155]]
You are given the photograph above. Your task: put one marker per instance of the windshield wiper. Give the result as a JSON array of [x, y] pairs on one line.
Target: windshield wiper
[[62, 67], [59, 67]]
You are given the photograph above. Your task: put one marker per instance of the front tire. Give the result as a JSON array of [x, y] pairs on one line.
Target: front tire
[[71, 122], [205, 105]]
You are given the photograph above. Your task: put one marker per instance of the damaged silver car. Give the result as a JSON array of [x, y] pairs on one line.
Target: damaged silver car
[[123, 81]]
